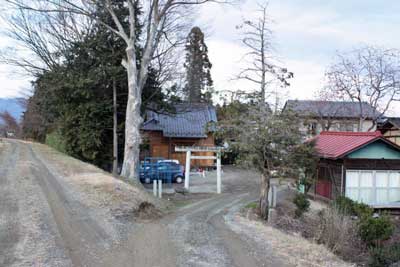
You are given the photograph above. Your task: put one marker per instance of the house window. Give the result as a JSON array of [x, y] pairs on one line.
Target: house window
[[346, 127], [312, 128], [373, 187]]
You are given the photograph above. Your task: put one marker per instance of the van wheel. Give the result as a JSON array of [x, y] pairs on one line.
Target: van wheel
[[147, 180], [179, 179]]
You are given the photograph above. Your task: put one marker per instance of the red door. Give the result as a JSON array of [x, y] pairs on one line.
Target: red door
[[324, 188]]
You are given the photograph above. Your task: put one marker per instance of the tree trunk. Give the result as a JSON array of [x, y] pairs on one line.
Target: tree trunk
[[374, 123], [115, 130], [360, 124], [264, 203], [133, 121]]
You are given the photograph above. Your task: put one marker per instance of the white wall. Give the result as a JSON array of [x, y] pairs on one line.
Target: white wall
[[336, 125]]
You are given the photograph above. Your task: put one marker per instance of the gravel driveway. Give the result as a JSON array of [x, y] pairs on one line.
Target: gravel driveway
[[58, 211]]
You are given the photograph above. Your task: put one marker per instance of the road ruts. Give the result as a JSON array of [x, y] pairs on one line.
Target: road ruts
[[200, 231], [83, 238], [195, 235], [9, 224]]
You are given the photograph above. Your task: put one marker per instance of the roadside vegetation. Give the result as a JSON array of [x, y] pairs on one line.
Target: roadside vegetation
[[56, 141], [351, 230], [99, 65]]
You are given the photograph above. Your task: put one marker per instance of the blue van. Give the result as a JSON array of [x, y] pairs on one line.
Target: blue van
[[161, 169]]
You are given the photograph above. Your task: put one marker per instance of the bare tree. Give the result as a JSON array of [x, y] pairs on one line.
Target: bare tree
[[158, 17], [10, 124], [263, 70], [366, 75], [261, 66], [42, 37]]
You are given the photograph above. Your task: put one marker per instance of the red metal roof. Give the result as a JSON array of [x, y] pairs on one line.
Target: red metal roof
[[337, 144]]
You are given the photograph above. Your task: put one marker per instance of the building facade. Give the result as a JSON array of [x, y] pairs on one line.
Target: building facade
[[363, 166], [188, 125], [318, 116], [390, 128]]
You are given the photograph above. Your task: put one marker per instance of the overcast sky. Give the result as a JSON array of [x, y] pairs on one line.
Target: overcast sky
[[307, 35]]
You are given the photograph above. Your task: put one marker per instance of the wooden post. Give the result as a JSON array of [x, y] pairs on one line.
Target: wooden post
[[342, 182], [316, 179], [187, 169], [169, 148], [219, 173], [270, 197]]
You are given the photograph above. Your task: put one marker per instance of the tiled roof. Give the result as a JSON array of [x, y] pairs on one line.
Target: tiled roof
[[188, 121], [395, 121], [338, 144], [331, 109]]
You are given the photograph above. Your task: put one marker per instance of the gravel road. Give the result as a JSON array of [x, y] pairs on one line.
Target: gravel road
[[46, 220], [57, 211]]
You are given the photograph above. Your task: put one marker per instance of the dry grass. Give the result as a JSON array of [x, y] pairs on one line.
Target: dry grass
[[294, 249], [323, 225], [98, 188], [339, 233], [2, 145]]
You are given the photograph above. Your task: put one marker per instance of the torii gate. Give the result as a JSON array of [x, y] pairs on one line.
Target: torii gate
[[189, 157]]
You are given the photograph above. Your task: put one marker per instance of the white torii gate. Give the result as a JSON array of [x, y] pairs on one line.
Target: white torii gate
[[189, 157]]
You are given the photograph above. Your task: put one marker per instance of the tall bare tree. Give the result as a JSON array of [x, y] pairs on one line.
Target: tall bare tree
[[263, 70], [366, 75], [261, 67], [160, 17]]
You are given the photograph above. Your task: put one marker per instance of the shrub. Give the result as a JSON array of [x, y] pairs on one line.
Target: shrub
[[384, 256], [344, 205], [55, 140], [349, 207], [302, 204], [375, 230], [362, 210]]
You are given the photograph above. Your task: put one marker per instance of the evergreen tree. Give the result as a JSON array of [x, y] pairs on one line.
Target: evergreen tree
[[74, 103], [199, 85]]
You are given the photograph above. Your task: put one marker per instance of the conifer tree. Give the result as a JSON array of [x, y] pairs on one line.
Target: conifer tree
[[199, 85]]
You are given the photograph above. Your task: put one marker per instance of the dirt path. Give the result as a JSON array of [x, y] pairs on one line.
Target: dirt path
[[45, 223], [28, 232], [57, 211], [82, 236], [9, 226]]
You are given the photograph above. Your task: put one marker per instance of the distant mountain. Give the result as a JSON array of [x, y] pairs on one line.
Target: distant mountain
[[13, 106]]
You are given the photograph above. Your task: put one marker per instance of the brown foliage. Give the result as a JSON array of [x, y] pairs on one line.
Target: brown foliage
[[10, 124]]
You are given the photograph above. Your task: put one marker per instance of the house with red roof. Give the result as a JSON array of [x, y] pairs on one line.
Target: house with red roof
[[364, 166]]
